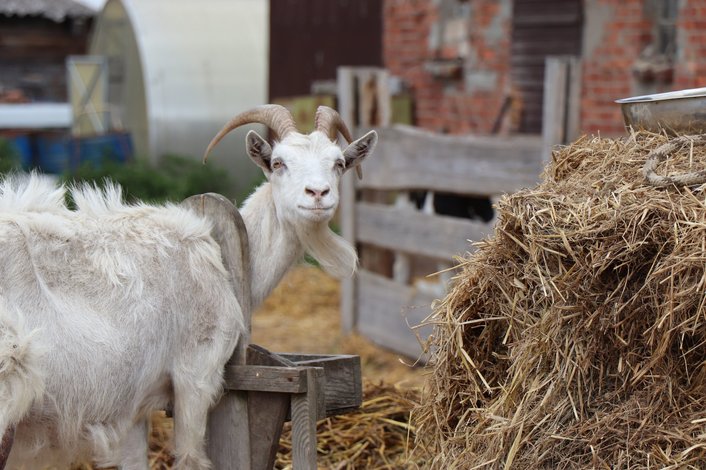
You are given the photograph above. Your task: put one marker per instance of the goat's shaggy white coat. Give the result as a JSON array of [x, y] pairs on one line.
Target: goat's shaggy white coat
[[132, 308]]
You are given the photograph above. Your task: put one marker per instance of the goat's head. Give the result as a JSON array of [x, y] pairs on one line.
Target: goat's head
[[303, 169]]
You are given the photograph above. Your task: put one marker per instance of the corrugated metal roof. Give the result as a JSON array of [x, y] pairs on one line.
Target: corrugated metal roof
[[55, 10]]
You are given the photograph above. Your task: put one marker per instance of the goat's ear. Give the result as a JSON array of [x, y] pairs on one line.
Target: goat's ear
[[259, 151], [356, 152]]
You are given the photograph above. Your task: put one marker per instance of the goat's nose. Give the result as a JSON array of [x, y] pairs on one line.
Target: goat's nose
[[316, 192]]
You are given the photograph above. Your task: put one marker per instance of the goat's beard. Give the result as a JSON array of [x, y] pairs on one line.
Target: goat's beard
[[335, 255]]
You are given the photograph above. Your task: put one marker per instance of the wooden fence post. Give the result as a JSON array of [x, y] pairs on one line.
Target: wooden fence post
[[560, 114], [346, 109], [363, 102]]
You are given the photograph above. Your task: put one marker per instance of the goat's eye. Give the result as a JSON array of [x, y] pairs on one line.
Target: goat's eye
[[340, 165], [277, 164]]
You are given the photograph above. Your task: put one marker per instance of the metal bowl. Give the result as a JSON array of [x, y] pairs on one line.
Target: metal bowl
[[677, 112]]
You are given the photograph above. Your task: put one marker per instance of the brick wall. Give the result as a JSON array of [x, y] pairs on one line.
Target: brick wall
[[690, 70], [420, 46], [616, 32]]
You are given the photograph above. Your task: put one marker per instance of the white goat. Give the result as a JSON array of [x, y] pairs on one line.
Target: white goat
[[288, 215], [111, 311]]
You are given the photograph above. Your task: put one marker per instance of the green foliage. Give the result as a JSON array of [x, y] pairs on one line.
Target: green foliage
[[9, 159], [175, 179]]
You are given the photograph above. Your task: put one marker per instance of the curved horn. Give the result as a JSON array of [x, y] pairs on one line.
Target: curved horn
[[329, 122], [274, 116]]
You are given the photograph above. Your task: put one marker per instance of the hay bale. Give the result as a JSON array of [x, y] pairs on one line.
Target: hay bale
[[575, 337]]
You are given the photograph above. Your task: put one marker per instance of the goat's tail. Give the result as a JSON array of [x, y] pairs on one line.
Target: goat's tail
[[21, 379]]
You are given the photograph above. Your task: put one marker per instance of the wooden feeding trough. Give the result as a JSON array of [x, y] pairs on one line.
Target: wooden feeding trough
[[264, 389]]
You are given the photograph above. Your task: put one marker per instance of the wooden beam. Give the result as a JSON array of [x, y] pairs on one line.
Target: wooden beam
[[304, 416], [436, 236], [267, 412], [343, 390], [388, 311], [347, 219], [560, 114], [266, 378], [411, 158], [573, 103]]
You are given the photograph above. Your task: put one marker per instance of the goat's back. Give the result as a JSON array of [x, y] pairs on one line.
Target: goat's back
[[126, 300]]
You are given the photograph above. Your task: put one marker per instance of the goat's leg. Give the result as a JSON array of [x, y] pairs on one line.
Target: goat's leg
[[191, 405], [133, 448]]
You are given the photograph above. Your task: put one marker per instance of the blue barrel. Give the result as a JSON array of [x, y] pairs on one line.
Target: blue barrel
[[53, 154], [95, 150], [22, 145]]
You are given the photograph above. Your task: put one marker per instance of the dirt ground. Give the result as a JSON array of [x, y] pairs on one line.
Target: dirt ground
[[303, 315]]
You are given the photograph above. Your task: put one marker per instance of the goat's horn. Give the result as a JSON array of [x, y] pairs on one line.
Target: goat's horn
[[274, 116], [329, 122]]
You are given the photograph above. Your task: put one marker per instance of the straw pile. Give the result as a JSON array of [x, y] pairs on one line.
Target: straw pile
[[575, 337], [376, 437]]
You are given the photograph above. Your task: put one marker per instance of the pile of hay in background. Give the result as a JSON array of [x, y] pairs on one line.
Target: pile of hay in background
[[575, 337]]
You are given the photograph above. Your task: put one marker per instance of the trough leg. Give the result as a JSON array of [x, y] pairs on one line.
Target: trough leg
[[304, 414], [228, 433]]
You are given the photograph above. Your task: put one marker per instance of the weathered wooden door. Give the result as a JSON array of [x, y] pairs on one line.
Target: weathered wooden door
[[541, 28], [309, 39]]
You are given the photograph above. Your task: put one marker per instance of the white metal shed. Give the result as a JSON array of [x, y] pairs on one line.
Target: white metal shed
[[179, 69]]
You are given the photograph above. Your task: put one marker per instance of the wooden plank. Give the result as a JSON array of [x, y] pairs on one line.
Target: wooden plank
[[347, 219], [410, 158], [436, 236], [304, 415], [228, 434], [346, 108], [267, 412], [573, 104], [345, 78], [373, 97], [554, 114], [387, 310], [402, 266], [266, 378], [343, 390]]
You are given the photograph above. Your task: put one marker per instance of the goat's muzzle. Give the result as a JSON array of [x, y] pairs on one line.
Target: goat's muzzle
[[6, 446]]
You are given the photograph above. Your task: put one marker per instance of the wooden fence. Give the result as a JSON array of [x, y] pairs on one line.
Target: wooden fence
[[385, 303], [400, 240]]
